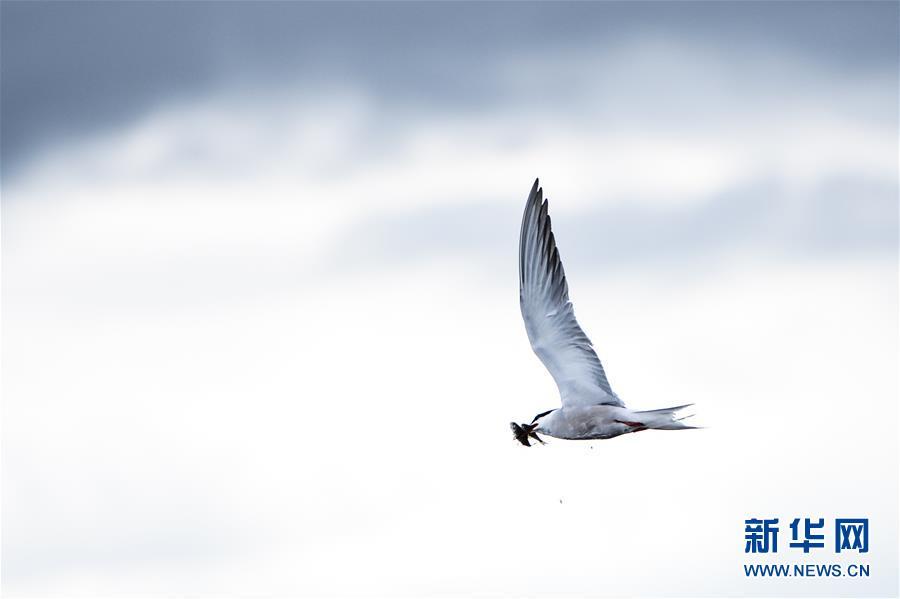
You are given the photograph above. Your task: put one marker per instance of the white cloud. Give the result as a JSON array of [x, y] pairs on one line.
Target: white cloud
[[276, 444]]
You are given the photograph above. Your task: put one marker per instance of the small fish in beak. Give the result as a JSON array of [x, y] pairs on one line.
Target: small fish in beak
[[522, 432]]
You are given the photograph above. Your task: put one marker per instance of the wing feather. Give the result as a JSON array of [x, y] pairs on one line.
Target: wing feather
[[555, 335]]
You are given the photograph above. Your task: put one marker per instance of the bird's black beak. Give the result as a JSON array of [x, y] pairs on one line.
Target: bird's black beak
[[522, 432]]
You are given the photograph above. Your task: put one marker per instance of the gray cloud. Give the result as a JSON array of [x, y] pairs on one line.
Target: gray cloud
[[71, 69]]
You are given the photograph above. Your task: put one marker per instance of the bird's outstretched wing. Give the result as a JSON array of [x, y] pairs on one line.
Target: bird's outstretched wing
[[549, 318]]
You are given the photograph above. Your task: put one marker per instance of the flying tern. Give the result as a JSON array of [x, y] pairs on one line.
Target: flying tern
[[590, 408]]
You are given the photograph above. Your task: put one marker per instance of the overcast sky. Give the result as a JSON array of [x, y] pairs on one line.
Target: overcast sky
[[261, 332]]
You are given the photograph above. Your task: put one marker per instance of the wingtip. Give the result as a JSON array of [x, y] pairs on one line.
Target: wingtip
[[535, 196]]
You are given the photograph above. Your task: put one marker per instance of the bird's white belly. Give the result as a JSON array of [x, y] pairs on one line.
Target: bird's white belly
[[586, 422]]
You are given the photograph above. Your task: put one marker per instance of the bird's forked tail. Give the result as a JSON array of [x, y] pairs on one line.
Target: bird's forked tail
[[665, 419]]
